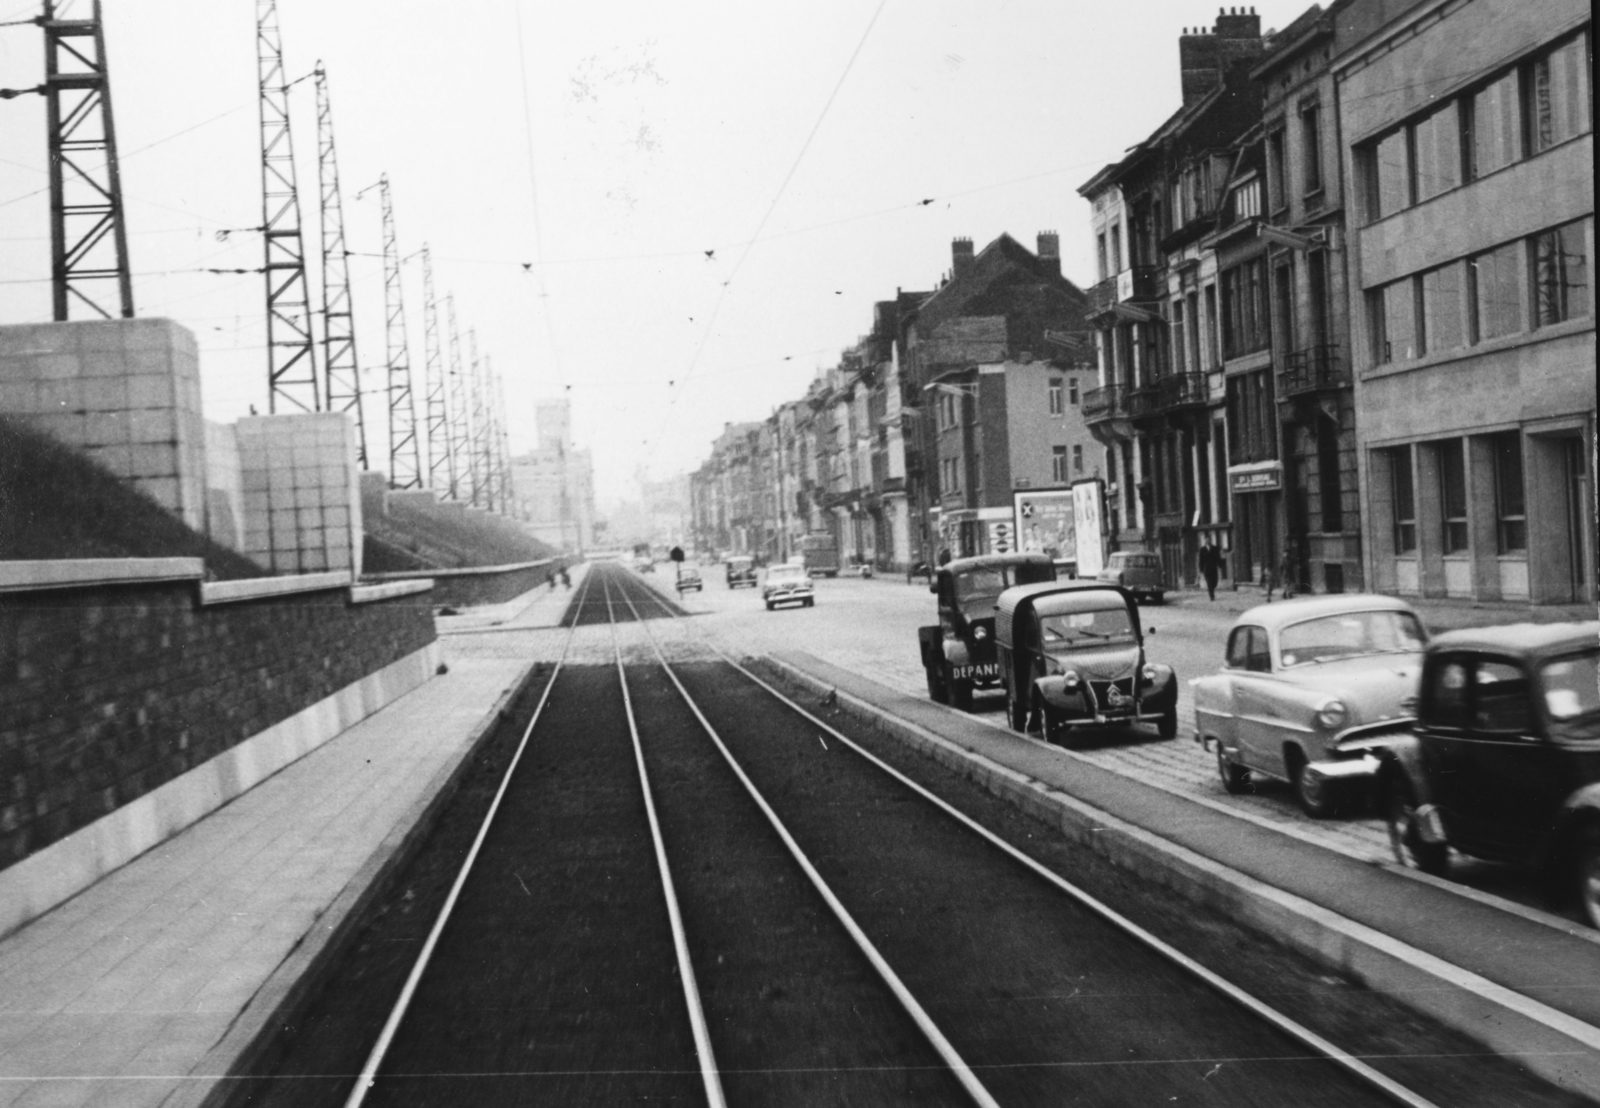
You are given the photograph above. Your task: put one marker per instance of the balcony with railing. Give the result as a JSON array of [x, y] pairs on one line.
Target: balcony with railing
[[1102, 296], [1144, 401], [1313, 369], [1181, 390], [1104, 403]]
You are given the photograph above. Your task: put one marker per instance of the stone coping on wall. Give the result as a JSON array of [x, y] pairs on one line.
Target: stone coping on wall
[[66, 573], [469, 571], [366, 594], [254, 588]]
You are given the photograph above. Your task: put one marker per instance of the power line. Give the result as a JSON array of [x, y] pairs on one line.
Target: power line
[[533, 189]]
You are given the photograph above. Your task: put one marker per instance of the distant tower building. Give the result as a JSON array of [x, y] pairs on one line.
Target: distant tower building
[[555, 482]]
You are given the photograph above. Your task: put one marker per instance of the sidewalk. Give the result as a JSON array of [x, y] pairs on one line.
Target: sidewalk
[[1439, 615], [143, 989]]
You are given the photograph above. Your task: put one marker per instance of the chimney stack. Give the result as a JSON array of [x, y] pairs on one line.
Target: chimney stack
[[1050, 252], [1203, 56], [960, 257]]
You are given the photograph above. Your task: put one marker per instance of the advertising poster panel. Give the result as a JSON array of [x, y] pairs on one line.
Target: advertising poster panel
[[1087, 501], [1044, 523]]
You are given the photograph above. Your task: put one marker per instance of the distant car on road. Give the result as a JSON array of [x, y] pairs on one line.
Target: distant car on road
[[1137, 571], [1505, 761], [788, 584], [1309, 690], [958, 652], [741, 571], [820, 554], [1072, 656], [688, 580]]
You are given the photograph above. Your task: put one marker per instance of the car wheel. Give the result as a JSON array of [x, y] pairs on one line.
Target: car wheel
[[811, 602], [961, 695], [1052, 729], [1589, 874], [1168, 727], [1315, 795], [936, 687], [770, 605], [1016, 713], [1405, 837], [1235, 778], [1159, 598]]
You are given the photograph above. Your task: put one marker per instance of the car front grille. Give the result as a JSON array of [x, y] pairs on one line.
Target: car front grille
[[1102, 690]]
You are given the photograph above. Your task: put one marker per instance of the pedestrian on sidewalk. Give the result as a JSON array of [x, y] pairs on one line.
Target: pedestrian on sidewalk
[[1210, 563], [1286, 570]]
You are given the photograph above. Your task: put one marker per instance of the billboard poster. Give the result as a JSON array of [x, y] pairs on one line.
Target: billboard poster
[[1043, 522], [1087, 503]]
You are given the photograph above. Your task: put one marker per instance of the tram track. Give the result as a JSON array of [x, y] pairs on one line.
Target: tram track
[[683, 838]]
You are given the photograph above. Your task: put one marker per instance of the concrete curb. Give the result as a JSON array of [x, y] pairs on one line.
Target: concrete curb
[[250, 1039], [1557, 1047]]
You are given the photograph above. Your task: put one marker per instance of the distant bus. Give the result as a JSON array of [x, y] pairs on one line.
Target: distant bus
[[820, 554]]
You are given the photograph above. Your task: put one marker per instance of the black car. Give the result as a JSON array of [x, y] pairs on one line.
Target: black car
[[958, 652], [1072, 657], [1505, 761]]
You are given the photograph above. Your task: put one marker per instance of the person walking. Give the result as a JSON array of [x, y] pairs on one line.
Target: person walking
[[1210, 563], [1286, 570]]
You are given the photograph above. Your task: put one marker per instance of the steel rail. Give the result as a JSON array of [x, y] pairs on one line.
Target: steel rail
[[709, 1075], [945, 1049], [380, 1049], [1283, 1023]]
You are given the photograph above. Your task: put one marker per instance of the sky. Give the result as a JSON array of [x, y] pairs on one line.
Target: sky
[[674, 215]]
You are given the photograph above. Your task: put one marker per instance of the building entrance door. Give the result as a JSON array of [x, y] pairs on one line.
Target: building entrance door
[[1575, 482]]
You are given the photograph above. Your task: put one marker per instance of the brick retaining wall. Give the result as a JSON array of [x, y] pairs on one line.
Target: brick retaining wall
[[109, 690]]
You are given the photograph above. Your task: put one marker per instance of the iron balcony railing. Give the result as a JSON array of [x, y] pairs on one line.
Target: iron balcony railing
[[1102, 296], [1106, 402], [1182, 390], [1313, 369], [1145, 400]]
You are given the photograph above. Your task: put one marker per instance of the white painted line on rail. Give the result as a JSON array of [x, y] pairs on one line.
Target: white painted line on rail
[[368, 1076], [680, 941], [958, 1066]]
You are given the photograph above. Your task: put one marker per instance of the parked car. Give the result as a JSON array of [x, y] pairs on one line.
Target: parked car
[[1138, 572], [1072, 656], [958, 652], [788, 584], [820, 554], [741, 571], [689, 580], [1504, 763], [1309, 691]]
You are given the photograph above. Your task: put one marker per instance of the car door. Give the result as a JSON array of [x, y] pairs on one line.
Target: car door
[[1503, 784], [1254, 704]]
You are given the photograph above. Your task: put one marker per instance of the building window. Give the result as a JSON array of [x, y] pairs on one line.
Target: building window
[[1277, 194], [1495, 127], [1247, 200], [1100, 254], [1058, 465], [1453, 495], [1560, 275], [1388, 176], [1283, 320], [1180, 353], [1496, 277], [1244, 307], [1055, 396], [1436, 154], [1329, 486], [1213, 328], [1077, 459], [1072, 391], [1311, 145], [1443, 327], [1405, 501], [1392, 310], [1510, 507], [1558, 95], [1116, 248]]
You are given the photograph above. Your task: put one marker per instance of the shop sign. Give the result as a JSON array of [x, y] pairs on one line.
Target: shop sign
[[1256, 480]]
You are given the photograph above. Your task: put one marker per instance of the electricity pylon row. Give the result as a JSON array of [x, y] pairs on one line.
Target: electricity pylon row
[[459, 448]]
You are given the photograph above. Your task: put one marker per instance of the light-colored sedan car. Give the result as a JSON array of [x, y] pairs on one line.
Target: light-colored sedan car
[[1308, 690], [788, 584]]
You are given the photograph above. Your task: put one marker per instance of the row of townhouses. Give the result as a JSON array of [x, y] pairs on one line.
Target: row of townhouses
[[1341, 327]]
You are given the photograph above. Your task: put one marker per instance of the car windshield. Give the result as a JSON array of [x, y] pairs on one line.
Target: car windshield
[[1571, 685], [785, 574], [1103, 624], [1348, 635]]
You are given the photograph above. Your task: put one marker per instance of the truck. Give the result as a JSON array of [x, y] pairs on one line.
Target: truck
[[819, 553]]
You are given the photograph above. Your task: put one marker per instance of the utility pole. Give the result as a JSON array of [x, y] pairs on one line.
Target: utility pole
[[490, 436], [404, 466], [475, 436], [291, 350], [508, 498], [339, 359], [459, 451], [435, 399]]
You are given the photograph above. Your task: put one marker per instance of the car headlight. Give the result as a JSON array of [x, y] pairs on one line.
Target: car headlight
[[1150, 674], [980, 633], [1332, 714], [1070, 679]]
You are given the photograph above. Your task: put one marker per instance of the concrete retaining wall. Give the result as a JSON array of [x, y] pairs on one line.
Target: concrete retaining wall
[[464, 588]]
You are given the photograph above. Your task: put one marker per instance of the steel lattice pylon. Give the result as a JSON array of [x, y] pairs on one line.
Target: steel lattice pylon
[[475, 428], [405, 471], [508, 498], [491, 436], [339, 361], [291, 350], [460, 454], [436, 401], [88, 238]]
